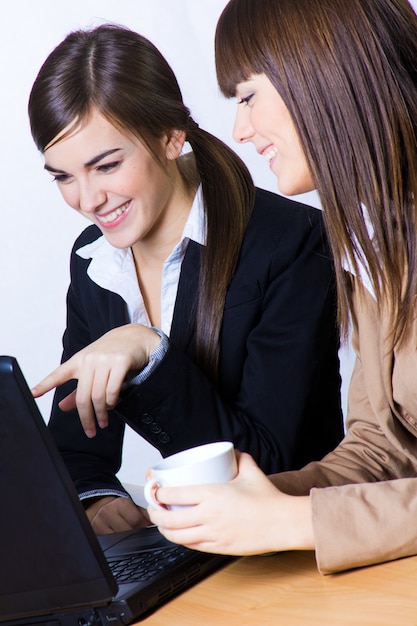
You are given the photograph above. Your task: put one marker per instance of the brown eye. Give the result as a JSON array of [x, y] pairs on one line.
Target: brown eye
[[108, 167], [246, 99]]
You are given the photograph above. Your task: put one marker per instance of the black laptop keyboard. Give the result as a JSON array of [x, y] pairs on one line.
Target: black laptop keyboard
[[144, 566]]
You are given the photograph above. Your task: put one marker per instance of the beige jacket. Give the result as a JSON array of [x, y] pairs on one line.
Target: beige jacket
[[364, 493]]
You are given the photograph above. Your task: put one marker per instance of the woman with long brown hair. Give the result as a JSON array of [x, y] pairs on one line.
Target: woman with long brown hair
[[200, 308], [329, 91]]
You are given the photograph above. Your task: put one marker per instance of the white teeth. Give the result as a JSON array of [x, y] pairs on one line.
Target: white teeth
[[269, 154], [113, 215]]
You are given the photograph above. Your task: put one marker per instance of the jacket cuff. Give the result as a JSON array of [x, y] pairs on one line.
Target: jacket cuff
[[100, 493], [362, 524], [154, 360]]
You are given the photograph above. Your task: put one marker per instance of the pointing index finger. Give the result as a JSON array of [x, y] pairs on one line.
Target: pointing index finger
[[60, 375]]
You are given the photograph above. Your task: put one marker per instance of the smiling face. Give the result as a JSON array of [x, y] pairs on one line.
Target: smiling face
[[112, 179], [263, 118]]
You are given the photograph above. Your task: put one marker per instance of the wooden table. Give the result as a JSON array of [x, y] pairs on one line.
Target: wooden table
[[286, 589]]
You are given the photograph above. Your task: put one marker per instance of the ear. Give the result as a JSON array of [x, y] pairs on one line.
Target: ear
[[174, 144]]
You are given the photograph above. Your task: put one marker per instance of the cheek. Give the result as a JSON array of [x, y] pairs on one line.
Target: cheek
[[305, 173], [296, 156], [258, 120]]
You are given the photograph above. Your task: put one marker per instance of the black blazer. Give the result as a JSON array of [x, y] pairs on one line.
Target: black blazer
[[279, 392]]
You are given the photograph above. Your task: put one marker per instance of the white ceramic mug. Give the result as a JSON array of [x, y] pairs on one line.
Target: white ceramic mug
[[209, 463]]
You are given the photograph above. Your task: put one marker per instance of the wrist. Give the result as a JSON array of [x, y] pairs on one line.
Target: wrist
[[303, 538], [158, 345], [293, 523], [155, 338], [94, 505], [301, 535]]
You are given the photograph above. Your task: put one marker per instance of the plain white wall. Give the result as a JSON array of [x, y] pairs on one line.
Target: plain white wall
[[38, 229]]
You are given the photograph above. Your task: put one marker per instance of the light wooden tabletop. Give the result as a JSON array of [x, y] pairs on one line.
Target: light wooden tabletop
[[286, 589]]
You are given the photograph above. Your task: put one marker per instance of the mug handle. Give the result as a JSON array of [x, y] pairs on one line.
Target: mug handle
[[149, 492]]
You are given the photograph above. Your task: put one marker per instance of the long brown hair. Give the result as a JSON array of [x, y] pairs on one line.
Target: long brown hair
[[125, 77], [347, 71]]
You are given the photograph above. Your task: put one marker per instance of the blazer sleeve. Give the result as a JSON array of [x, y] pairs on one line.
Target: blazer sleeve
[[365, 523], [280, 399], [364, 493]]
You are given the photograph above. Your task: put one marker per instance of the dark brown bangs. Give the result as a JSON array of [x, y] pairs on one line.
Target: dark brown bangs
[[235, 50]]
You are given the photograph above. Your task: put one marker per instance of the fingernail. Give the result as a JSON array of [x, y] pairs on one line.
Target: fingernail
[[90, 433]]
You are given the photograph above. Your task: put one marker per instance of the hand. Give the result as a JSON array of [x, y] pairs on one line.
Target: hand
[[245, 516], [113, 514], [101, 369]]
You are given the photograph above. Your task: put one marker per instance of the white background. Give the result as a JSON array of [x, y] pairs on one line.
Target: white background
[[37, 228]]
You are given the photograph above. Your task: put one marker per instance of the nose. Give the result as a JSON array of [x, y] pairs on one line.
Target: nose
[[242, 129], [91, 197]]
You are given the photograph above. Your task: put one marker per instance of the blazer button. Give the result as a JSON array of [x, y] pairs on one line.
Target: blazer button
[[147, 418], [155, 428], [164, 438]]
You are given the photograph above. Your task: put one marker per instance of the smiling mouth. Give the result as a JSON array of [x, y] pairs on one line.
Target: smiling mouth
[[270, 153], [111, 217]]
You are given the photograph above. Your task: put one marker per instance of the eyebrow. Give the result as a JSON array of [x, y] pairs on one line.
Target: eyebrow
[[89, 163]]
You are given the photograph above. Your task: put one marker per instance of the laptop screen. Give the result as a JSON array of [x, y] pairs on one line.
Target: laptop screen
[[50, 556]]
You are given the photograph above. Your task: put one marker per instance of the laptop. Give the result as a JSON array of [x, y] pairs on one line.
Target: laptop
[[54, 570]]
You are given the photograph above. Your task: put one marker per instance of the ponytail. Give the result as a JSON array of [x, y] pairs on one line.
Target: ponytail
[[229, 195]]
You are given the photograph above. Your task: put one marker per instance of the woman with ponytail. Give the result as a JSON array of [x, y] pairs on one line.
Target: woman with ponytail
[[200, 308]]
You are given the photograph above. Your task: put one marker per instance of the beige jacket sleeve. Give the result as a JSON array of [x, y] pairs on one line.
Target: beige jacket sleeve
[[364, 493]]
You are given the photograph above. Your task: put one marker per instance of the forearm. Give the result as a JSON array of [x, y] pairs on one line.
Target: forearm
[[296, 518]]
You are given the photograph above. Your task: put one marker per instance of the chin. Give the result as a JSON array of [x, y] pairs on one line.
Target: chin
[[295, 185], [294, 190], [286, 190], [118, 242], [284, 187]]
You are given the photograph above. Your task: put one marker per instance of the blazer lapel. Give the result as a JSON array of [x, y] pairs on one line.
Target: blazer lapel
[[184, 318]]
